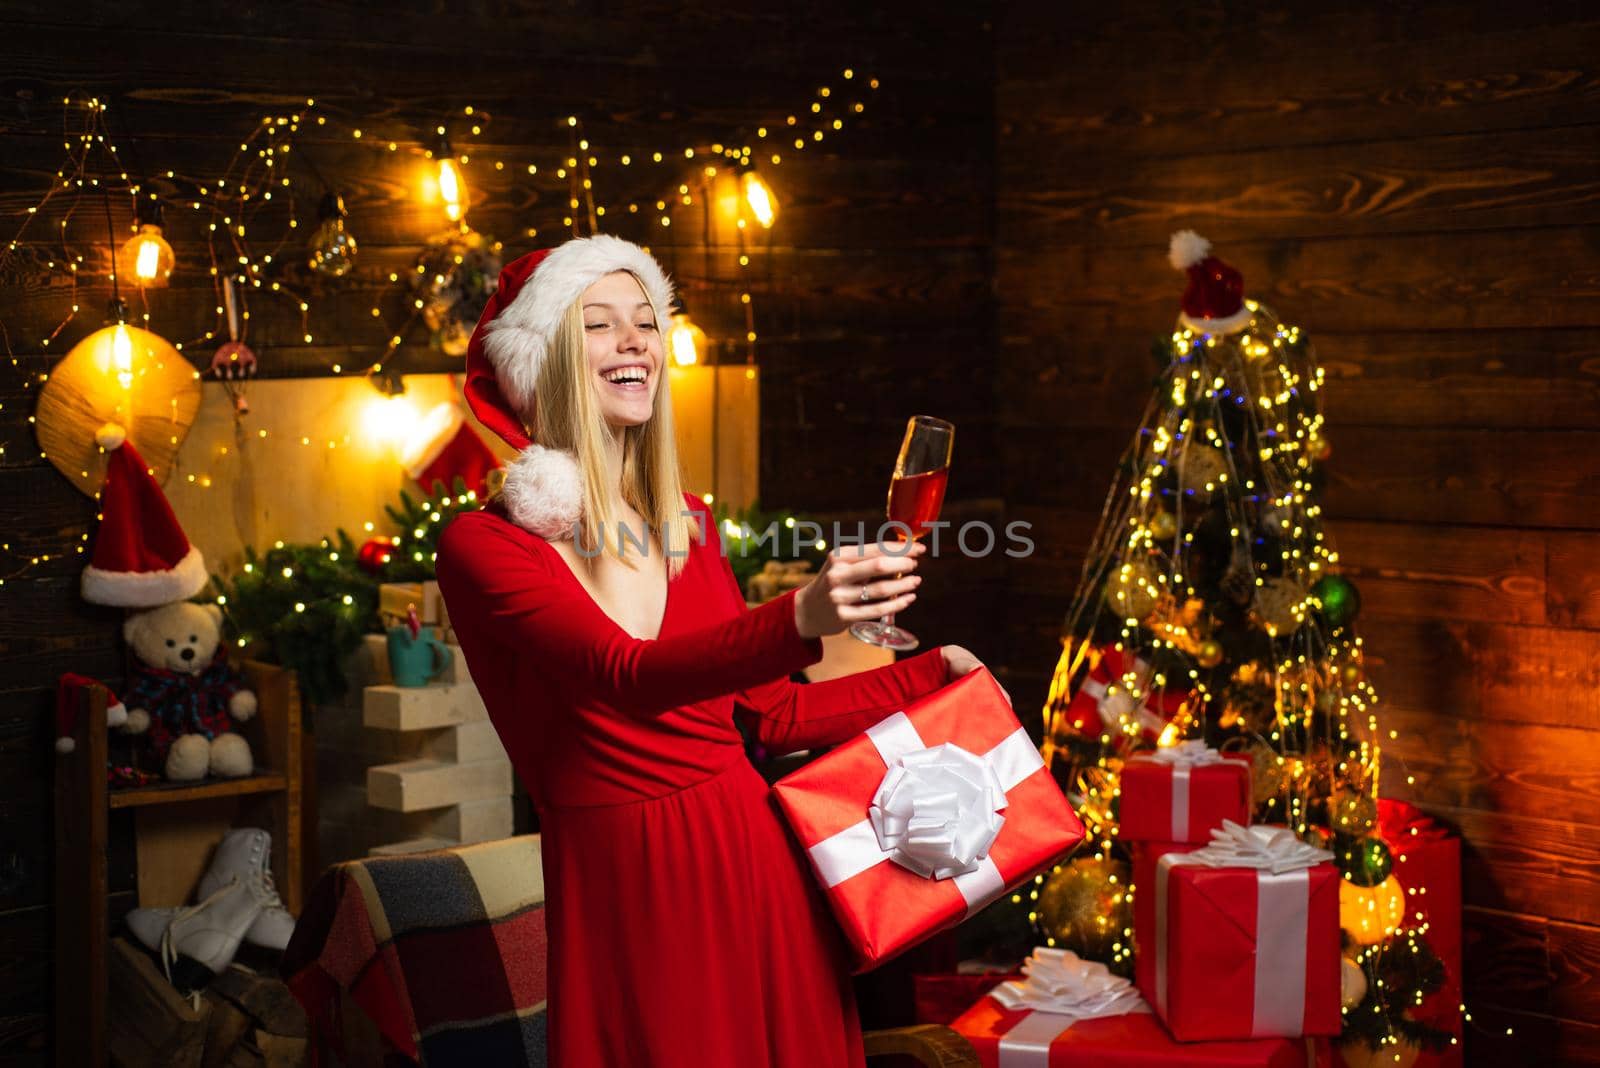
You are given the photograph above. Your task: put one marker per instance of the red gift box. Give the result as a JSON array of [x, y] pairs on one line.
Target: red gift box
[[1022, 1038], [1105, 700], [938, 999], [1246, 938], [1145, 857], [901, 822], [1427, 863], [1180, 793]]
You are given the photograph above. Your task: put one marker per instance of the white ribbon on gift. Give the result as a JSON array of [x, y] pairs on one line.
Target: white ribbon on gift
[[1117, 703], [934, 813], [1061, 989], [1184, 758], [1283, 892]]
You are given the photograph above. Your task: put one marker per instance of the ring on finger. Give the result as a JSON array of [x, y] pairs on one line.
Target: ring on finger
[[866, 594]]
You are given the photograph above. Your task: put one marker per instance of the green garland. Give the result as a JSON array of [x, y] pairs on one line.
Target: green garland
[[1400, 971], [308, 606], [748, 551]]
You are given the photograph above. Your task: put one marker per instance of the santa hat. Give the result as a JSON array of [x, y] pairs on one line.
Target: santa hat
[[142, 558], [543, 490], [69, 698], [444, 449], [1213, 303]]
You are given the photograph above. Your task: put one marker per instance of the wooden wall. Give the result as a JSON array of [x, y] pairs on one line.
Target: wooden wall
[[1415, 185], [872, 296]]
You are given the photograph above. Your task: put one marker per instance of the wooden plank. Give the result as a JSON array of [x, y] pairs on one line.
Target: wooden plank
[[1520, 769], [1574, 579], [1547, 379], [169, 793], [1516, 278], [1343, 73], [81, 923], [1058, 194], [1505, 960], [1575, 964]]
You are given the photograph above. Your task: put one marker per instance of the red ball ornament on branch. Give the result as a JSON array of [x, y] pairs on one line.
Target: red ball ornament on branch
[[373, 555]]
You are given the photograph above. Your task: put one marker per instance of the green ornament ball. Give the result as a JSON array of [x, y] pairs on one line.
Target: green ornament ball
[[1341, 601], [1365, 861]]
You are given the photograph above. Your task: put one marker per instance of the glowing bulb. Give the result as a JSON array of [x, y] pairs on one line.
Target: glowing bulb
[[122, 355], [763, 205], [685, 340], [387, 419], [332, 248], [146, 257], [452, 188]]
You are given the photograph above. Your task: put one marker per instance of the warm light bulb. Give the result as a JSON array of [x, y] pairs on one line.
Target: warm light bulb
[[763, 205], [122, 355], [146, 257], [685, 340], [332, 248], [451, 188], [388, 419]]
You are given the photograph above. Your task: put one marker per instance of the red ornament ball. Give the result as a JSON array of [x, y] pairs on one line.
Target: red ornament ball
[[374, 554]]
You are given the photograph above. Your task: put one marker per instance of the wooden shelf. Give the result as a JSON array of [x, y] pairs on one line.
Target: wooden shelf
[[170, 792]]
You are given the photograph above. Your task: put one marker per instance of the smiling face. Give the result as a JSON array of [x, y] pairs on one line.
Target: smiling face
[[623, 347]]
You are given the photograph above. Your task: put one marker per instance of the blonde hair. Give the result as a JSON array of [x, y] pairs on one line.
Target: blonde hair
[[569, 418]]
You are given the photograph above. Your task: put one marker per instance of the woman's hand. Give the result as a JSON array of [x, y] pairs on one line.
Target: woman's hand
[[834, 599], [958, 662]]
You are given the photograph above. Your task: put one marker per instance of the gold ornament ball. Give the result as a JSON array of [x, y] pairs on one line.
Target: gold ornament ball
[[1135, 589], [1081, 908], [1369, 914], [1280, 606], [1352, 983], [1269, 772], [1320, 448], [1352, 811], [1163, 526], [1210, 653], [1201, 466]]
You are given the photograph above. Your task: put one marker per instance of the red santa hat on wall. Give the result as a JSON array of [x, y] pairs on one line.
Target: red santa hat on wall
[[1213, 303], [142, 558], [543, 491]]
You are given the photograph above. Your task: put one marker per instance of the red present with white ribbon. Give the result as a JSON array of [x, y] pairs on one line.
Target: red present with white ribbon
[[1180, 793], [1070, 1013], [1121, 689], [1145, 857], [1247, 938], [903, 823]]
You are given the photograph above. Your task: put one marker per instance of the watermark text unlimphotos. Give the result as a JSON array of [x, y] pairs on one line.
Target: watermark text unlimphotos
[[975, 539]]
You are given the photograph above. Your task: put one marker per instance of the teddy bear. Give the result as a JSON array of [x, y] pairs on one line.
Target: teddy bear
[[183, 695]]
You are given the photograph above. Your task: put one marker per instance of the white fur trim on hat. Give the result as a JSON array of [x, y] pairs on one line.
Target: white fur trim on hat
[[146, 589], [1225, 325], [438, 427], [518, 338], [1186, 249], [543, 492]]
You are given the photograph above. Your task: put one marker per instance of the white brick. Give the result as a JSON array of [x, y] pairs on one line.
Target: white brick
[[422, 784], [475, 821], [415, 708]]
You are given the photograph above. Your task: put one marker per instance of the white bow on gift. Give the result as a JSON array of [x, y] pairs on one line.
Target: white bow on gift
[[1262, 846], [937, 811], [1059, 981], [1189, 754]]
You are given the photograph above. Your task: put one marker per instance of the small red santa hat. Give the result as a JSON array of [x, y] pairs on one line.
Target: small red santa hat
[[444, 448], [543, 490], [69, 690], [1213, 303], [142, 558]]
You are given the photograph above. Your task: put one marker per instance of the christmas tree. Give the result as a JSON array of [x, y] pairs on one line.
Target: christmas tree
[[1212, 607]]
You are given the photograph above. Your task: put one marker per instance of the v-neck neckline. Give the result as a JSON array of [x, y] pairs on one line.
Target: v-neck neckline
[[666, 603]]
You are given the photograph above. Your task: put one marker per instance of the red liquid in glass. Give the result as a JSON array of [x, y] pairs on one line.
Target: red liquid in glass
[[915, 500]]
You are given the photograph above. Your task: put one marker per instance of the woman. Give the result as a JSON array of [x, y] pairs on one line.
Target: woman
[[684, 925]]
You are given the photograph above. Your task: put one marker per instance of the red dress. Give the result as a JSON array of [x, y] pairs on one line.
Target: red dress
[[685, 926]]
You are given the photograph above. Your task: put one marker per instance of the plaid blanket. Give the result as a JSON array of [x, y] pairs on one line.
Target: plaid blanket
[[444, 952]]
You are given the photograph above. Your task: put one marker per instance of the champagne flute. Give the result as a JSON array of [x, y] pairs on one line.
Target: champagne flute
[[915, 494]]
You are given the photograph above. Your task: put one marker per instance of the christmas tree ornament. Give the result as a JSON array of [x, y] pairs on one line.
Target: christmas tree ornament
[[332, 248], [1352, 811], [1163, 526], [1276, 520], [1280, 606], [1319, 448], [1364, 861], [1084, 905], [146, 258], [455, 275], [1370, 914], [1269, 773], [1351, 674], [1201, 469], [375, 554], [233, 362], [1352, 983], [124, 376], [1340, 600], [1210, 653], [1213, 302], [1135, 589]]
